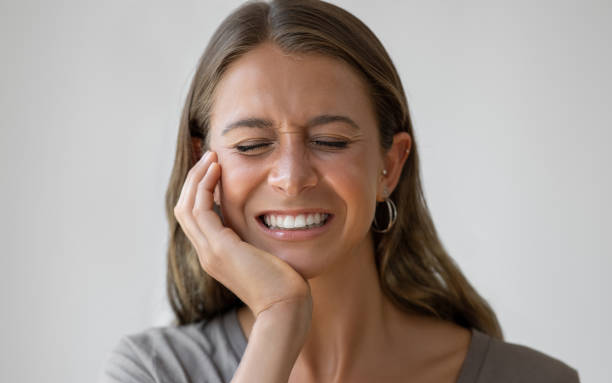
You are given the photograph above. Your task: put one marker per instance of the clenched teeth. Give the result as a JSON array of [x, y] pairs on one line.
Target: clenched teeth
[[301, 221]]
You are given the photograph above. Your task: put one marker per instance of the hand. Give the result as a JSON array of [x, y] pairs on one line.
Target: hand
[[258, 278]]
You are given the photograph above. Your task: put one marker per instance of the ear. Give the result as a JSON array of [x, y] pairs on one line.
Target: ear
[[393, 161], [196, 149]]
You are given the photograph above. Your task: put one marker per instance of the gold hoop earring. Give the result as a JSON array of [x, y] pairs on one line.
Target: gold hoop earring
[[392, 209]]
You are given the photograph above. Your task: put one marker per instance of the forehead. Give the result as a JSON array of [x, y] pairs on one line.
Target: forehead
[[289, 88]]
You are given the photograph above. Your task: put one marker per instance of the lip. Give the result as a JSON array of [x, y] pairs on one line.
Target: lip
[[294, 235]]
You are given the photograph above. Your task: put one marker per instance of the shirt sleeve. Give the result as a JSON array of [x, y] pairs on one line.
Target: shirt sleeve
[[198, 352], [566, 375], [508, 362], [124, 365]]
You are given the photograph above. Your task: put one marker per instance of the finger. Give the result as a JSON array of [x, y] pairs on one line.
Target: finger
[[208, 221], [194, 176], [192, 231], [183, 208], [195, 171], [204, 198], [219, 239]]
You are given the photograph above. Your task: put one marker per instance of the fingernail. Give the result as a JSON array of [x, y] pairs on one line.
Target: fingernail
[[205, 156]]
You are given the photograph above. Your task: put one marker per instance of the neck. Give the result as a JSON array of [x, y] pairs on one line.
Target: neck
[[350, 317], [352, 321]]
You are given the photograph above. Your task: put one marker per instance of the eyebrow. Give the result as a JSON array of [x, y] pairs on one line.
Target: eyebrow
[[315, 121], [248, 123]]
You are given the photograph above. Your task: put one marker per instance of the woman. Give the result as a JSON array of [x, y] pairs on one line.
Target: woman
[[301, 245]]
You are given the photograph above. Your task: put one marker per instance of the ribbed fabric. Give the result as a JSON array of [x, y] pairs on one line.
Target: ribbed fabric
[[210, 351], [492, 360], [207, 351]]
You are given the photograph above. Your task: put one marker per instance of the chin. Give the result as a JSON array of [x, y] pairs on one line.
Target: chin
[[304, 263]]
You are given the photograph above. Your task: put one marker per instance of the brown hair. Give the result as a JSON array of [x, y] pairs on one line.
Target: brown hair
[[415, 271]]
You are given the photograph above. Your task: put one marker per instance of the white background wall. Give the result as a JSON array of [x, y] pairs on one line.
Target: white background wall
[[511, 104]]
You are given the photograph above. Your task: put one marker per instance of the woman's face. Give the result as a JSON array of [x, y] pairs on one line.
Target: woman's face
[[301, 165]]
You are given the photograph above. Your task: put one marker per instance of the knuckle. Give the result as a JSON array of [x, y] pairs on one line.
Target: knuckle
[[227, 238], [212, 262], [198, 209], [217, 247], [205, 262], [177, 210], [227, 234], [202, 252], [189, 175], [199, 244]]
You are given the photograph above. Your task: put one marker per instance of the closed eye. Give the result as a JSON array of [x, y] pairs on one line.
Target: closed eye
[[256, 147], [335, 144], [252, 147]]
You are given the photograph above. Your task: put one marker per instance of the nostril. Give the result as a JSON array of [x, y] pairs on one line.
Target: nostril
[[293, 182]]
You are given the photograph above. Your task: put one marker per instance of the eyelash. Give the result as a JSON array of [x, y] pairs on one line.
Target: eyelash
[[332, 145], [248, 148]]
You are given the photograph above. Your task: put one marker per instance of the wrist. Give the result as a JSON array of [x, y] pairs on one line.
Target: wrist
[[293, 316]]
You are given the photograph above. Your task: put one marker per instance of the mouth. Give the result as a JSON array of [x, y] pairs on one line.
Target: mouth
[[294, 222]]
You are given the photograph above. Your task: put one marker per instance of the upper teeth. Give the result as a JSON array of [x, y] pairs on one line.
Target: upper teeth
[[294, 222]]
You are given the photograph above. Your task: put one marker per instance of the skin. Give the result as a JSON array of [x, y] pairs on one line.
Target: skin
[[315, 311]]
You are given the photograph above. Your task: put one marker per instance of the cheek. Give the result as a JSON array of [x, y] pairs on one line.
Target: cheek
[[355, 180], [238, 180]]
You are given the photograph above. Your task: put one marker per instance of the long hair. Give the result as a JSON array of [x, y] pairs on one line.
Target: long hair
[[414, 269]]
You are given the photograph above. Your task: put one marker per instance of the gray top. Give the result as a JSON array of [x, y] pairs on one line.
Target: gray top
[[209, 351]]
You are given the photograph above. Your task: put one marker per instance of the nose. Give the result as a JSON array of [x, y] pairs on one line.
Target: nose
[[292, 172]]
